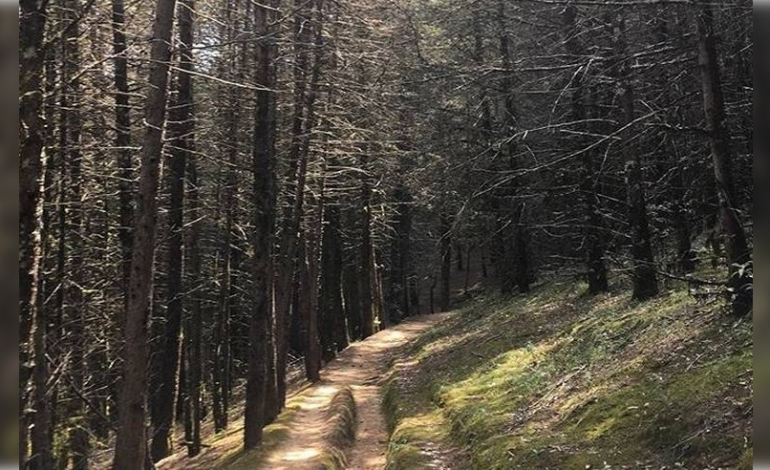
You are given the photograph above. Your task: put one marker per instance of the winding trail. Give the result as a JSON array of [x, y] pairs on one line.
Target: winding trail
[[361, 367]]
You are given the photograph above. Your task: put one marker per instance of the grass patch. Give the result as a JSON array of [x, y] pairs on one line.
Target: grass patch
[[559, 379], [419, 431]]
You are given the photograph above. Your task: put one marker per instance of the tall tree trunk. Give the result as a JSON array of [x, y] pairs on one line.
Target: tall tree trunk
[[446, 262], [334, 335], [379, 296], [593, 245], [739, 254], [180, 128], [130, 443], [57, 327], [685, 256], [308, 305], [42, 402], [32, 21], [76, 318], [122, 136], [333, 327], [181, 401], [643, 262], [220, 345], [303, 126], [366, 269], [125, 178], [193, 335], [264, 190], [520, 246], [516, 245], [352, 297], [401, 253]]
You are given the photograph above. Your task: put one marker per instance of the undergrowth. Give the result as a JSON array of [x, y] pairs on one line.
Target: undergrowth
[[561, 380]]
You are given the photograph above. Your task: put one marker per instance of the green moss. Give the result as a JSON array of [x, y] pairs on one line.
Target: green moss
[[563, 380], [414, 423]]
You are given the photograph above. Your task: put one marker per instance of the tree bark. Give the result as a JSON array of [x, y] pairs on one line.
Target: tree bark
[[79, 442], [686, 257], [517, 252], [401, 253], [122, 136], [303, 125], [130, 443], [594, 247], [352, 297], [308, 306], [32, 21], [125, 180], [366, 269], [194, 334], [644, 275], [446, 262], [43, 398], [334, 334], [180, 128], [739, 254], [264, 193]]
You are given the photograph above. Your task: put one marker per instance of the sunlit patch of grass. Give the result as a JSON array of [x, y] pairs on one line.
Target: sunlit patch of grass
[[560, 379]]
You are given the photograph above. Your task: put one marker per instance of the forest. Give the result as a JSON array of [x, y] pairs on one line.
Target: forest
[[370, 234]]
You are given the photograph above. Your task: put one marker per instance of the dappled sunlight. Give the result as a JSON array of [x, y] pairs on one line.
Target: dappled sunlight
[[562, 380], [361, 367], [299, 455]]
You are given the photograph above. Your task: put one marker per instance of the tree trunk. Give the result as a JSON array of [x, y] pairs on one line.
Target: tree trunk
[[467, 279], [352, 297], [739, 254], [520, 245], [594, 247], [308, 306], [516, 249], [644, 268], [401, 254], [193, 336], [122, 136], [125, 178], [43, 399], [180, 127], [334, 334], [181, 401], [263, 156], [446, 262], [303, 126], [366, 269], [32, 20], [686, 257], [221, 346], [76, 318], [130, 443]]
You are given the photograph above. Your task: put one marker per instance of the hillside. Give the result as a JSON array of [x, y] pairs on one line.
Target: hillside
[[369, 234], [561, 380]]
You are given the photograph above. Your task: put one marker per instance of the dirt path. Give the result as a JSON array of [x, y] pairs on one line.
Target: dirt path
[[362, 367]]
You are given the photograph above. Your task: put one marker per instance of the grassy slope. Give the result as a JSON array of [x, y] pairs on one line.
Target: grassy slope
[[560, 380]]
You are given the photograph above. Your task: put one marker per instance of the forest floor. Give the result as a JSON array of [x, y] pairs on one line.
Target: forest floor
[[558, 379], [361, 368], [303, 436]]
